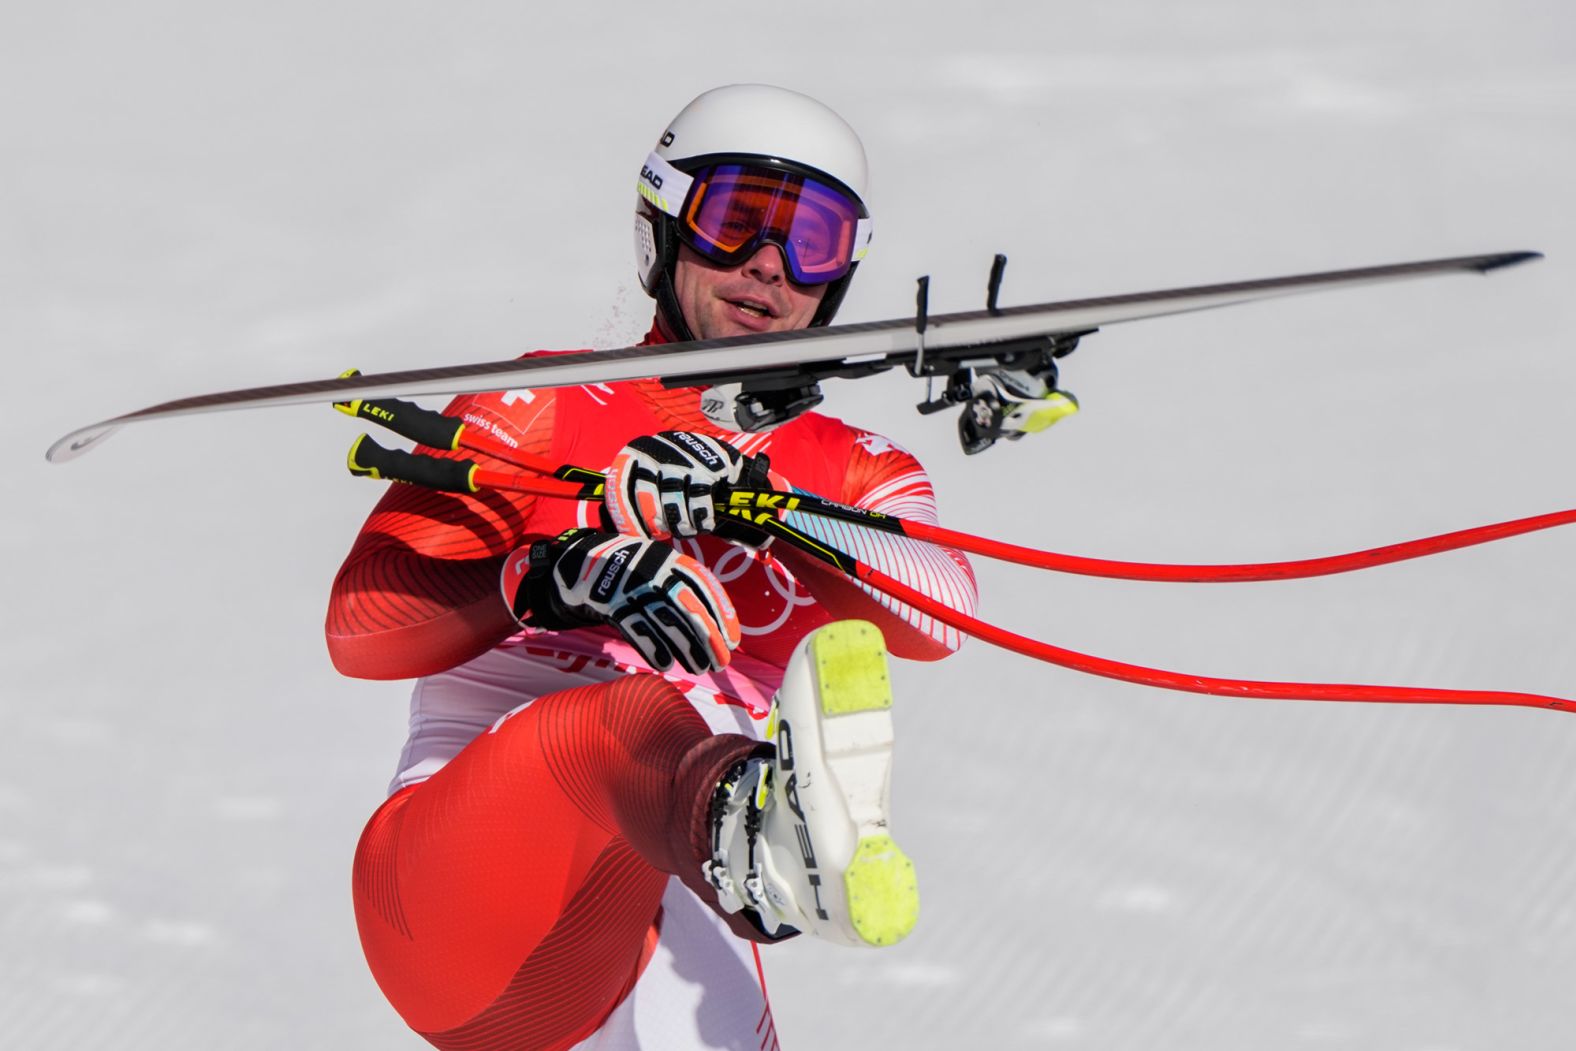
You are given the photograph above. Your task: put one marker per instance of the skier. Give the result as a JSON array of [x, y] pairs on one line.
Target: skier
[[665, 741]]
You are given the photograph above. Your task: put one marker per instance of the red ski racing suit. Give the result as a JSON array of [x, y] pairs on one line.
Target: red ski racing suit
[[517, 889]]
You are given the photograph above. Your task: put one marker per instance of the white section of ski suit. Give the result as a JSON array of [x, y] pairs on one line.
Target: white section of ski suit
[[448, 710]]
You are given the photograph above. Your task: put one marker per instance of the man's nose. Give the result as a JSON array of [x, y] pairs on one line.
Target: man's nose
[[767, 264]]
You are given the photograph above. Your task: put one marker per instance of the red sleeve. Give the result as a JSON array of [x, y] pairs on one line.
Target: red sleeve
[[882, 477], [418, 592]]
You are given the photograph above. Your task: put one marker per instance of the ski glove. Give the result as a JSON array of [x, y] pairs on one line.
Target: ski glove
[[664, 485], [666, 604]]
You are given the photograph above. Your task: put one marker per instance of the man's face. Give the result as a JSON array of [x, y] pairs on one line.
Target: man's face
[[755, 296]]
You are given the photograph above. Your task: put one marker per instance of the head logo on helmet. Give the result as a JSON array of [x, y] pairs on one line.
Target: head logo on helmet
[[747, 165]]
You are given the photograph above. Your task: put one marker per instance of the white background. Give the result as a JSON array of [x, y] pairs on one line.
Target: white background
[[196, 196]]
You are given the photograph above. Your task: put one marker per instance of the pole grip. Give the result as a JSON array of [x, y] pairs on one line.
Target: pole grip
[[368, 459], [405, 418]]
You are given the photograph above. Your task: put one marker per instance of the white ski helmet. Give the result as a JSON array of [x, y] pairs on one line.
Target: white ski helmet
[[795, 167]]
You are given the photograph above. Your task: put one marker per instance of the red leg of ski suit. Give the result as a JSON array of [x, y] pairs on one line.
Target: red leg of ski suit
[[509, 900]]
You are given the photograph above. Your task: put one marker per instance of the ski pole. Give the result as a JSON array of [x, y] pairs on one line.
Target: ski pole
[[768, 500], [436, 430], [1145, 676], [368, 459]]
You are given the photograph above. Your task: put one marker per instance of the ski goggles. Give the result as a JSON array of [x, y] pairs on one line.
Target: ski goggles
[[725, 212]]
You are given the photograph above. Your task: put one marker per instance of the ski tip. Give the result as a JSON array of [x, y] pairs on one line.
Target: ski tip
[[78, 442], [1504, 259]]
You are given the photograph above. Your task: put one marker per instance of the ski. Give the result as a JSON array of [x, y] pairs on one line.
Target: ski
[[774, 375]]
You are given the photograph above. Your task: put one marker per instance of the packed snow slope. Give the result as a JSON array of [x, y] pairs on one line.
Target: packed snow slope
[[204, 196]]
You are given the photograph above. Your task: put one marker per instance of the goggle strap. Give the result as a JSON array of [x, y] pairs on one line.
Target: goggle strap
[[663, 185]]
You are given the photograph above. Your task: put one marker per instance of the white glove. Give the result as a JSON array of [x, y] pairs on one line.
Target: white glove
[[666, 604], [664, 485]]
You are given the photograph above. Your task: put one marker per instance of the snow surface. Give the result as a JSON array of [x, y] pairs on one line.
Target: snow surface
[[202, 196]]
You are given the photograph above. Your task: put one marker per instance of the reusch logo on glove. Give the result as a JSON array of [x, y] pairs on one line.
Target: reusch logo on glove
[[699, 448], [607, 584]]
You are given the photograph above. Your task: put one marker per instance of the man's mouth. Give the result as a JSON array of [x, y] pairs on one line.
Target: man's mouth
[[754, 307]]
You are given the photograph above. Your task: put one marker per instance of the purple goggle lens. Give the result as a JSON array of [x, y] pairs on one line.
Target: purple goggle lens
[[733, 209]]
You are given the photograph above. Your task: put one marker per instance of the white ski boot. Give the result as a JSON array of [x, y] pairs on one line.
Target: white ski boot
[[801, 838]]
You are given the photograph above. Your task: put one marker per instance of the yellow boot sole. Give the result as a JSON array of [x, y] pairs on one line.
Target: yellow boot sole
[[851, 672]]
